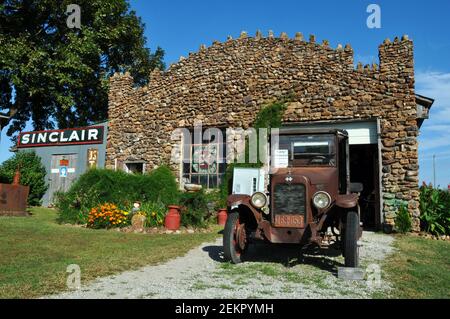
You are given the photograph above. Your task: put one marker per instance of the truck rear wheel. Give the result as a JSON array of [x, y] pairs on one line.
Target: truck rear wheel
[[234, 239], [351, 249]]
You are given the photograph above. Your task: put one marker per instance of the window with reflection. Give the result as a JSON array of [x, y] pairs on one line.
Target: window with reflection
[[205, 161], [309, 150]]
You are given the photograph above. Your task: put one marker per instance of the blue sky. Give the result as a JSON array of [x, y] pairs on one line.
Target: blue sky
[[180, 27]]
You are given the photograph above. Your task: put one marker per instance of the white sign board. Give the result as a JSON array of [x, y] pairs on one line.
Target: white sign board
[[281, 158], [58, 170]]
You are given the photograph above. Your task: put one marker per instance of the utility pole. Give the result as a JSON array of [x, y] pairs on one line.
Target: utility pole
[[434, 170]]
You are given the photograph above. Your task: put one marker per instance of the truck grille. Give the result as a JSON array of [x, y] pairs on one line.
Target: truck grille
[[289, 199]]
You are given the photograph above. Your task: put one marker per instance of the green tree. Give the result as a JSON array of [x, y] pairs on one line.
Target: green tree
[[54, 75], [32, 173]]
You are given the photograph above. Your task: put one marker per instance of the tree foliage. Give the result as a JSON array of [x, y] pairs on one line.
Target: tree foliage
[[269, 116], [56, 75], [435, 210], [32, 173]]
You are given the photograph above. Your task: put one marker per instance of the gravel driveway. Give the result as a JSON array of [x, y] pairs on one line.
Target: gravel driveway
[[269, 272]]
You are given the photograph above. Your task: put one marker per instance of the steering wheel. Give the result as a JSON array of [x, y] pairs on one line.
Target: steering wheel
[[317, 158]]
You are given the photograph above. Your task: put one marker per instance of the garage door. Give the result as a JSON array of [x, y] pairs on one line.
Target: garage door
[[359, 132]]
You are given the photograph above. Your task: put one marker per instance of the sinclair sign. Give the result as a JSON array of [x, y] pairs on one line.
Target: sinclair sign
[[73, 136]]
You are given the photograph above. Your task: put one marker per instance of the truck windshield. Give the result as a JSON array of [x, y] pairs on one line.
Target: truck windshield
[[309, 150]]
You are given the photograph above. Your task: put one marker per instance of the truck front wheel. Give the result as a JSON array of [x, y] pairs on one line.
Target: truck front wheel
[[351, 249], [234, 238]]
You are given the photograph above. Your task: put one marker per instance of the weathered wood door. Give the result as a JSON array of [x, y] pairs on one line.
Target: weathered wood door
[[62, 173]]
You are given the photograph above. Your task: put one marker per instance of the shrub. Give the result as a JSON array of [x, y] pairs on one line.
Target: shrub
[[107, 216], [98, 186], [154, 212], [214, 200], [403, 222], [32, 173], [435, 210], [270, 116], [194, 210]]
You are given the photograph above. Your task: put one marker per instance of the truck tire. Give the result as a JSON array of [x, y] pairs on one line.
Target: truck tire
[[232, 250], [351, 249]]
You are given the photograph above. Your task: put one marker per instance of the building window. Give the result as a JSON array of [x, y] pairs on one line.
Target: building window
[[135, 167], [204, 160]]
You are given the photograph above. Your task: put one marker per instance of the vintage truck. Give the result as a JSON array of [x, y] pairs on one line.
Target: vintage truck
[[308, 198]]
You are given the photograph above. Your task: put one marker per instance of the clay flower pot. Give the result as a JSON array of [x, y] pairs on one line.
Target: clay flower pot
[[173, 218], [222, 216]]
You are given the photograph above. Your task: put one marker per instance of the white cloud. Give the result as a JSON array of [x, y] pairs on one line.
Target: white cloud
[[435, 131], [435, 85], [432, 141], [438, 128]]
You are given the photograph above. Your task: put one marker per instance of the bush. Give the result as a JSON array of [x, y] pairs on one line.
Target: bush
[[403, 222], [270, 116], [194, 210], [154, 212], [32, 173], [214, 200], [98, 186], [107, 216], [434, 210]]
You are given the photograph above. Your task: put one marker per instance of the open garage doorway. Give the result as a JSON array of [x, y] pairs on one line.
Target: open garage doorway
[[364, 170], [364, 152]]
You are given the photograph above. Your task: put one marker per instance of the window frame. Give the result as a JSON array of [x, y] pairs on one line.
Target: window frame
[[127, 169], [219, 174]]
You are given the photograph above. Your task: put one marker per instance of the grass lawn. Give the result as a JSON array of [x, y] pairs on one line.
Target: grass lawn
[[35, 252], [420, 268]]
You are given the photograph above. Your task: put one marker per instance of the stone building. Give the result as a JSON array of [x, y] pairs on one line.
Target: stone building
[[226, 84]]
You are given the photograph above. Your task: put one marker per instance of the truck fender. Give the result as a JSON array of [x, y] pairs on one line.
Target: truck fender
[[347, 200], [242, 203]]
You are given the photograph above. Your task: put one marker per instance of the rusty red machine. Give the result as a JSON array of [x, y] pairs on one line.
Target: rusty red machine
[[308, 199], [13, 198]]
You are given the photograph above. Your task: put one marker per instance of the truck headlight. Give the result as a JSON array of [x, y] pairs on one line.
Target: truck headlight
[[258, 200], [321, 200]]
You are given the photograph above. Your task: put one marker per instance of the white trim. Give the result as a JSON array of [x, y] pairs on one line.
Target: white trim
[[380, 179], [181, 164]]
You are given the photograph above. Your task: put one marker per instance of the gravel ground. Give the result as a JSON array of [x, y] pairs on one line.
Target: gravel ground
[[270, 272]]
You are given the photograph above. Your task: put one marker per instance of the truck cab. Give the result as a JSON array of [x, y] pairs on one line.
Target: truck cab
[[308, 195]]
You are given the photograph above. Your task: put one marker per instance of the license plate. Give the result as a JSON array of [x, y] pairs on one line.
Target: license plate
[[289, 221]]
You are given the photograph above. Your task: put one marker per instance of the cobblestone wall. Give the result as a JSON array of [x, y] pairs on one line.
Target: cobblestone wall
[[226, 84]]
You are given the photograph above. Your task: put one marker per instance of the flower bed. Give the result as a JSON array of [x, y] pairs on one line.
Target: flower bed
[[107, 216], [103, 198]]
